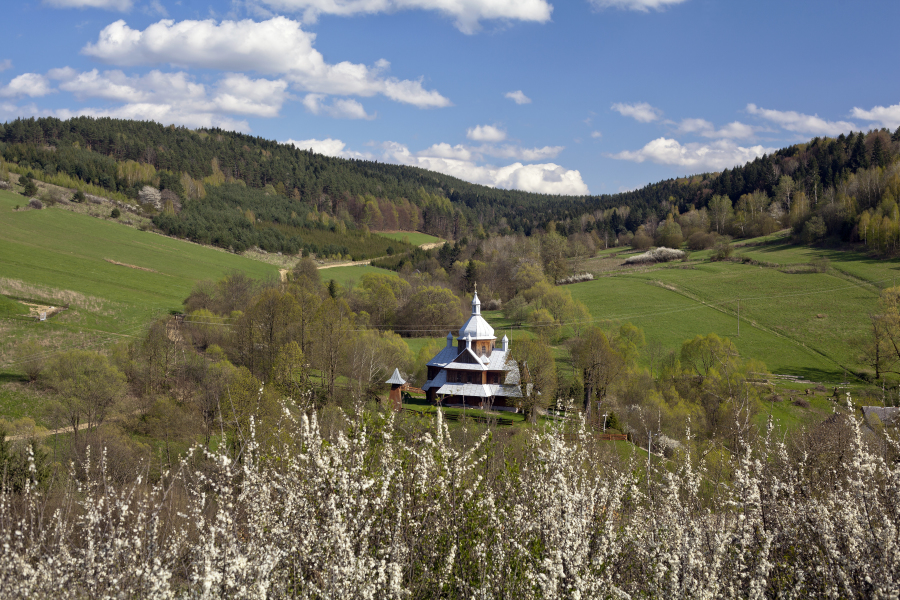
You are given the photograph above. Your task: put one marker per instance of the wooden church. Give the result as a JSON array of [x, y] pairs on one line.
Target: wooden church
[[475, 372]]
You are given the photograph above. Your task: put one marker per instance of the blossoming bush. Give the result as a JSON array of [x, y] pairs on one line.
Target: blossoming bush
[[391, 509]]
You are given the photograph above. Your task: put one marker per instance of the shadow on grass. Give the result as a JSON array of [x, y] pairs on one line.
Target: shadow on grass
[[818, 375], [10, 377]]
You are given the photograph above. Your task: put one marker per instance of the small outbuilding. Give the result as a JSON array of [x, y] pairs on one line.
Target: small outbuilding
[[396, 382]]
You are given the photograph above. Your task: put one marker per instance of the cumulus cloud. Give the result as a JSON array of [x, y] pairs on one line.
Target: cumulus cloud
[[119, 5], [801, 123], [339, 108], [640, 111], [467, 14], [463, 162], [545, 178], [235, 93], [328, 147], [27, 84], [518, 97], [596, 134], [734, 130], [486, 133], [716, 155], [277, 46], [519, 153], [886, 116], [445, 150], [639, 5], [161, 113]]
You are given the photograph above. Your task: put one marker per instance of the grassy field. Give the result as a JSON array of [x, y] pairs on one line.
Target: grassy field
[[413, 237], [794, 319], [346, 276], [115, 279]]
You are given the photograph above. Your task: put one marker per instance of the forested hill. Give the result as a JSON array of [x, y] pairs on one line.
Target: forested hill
[[123, 156]]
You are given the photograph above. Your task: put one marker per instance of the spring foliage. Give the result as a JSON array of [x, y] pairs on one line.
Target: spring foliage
[[379, 511]]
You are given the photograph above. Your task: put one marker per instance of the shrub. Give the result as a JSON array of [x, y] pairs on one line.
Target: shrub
[[654, 256], [700, 240], [78, 196], [723, 249], [115, 214], [576, 278], [30, 188], [36, 204]]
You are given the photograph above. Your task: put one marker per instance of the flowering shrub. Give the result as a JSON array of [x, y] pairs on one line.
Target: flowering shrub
[[656, 255], [380, 512], [576, 278]]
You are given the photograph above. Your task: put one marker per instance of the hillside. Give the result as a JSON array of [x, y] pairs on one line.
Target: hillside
[[114, 279], [122, 156]]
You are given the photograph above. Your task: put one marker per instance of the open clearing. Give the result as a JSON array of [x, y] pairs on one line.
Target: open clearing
[[413, 237]]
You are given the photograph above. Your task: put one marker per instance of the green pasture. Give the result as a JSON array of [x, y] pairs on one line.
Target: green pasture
[[8, 306], [60, 257], [413, 237], [797, 324], [353, 274]]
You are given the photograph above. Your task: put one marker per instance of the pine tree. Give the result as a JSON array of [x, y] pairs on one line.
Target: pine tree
[[878, 158]]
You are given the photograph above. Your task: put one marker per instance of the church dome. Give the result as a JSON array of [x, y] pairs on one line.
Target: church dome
[[476, 326]]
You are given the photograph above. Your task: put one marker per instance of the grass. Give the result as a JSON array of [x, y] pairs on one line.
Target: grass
[[795, 320], [115, 278], [9, 307], [353, 274], [412, 237]]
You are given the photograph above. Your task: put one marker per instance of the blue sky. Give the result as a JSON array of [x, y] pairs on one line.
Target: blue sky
[[583, 96]]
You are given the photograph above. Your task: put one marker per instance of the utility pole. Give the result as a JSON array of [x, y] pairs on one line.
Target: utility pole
[[604, 420], [739, 317]]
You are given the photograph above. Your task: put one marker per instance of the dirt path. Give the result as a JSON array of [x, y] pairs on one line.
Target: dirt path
[[354, 263], [43, 434]]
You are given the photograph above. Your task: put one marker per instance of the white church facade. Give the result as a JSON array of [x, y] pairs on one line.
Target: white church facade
[[474, 373]]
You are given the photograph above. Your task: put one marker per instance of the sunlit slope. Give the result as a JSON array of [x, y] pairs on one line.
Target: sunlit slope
[[57, 256], [801, 323]]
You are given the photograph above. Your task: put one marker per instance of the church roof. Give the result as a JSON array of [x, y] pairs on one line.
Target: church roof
[[396, 378], [476, 326], [479, 390]]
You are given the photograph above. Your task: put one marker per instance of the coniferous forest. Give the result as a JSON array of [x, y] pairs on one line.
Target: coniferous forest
[[822, 189]]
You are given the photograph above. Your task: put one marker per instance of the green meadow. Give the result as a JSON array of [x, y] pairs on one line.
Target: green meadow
[[352, 275], [115, 279], [412, 237], [793, 318]]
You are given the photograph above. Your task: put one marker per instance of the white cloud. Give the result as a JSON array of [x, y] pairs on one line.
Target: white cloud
[[467, 14], [518, 153], [5, 64], [640, 111], [801, 123], [445, 150], [340, 108], [235, 93], [546, 178], [329, 147], [120, 5], [886, 116], [486, 133], [639, 5], [596, 134], [518, 97], [27, 84], [734, 130], [276, 46], [161, 113], [717, 155], [155, 8]]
